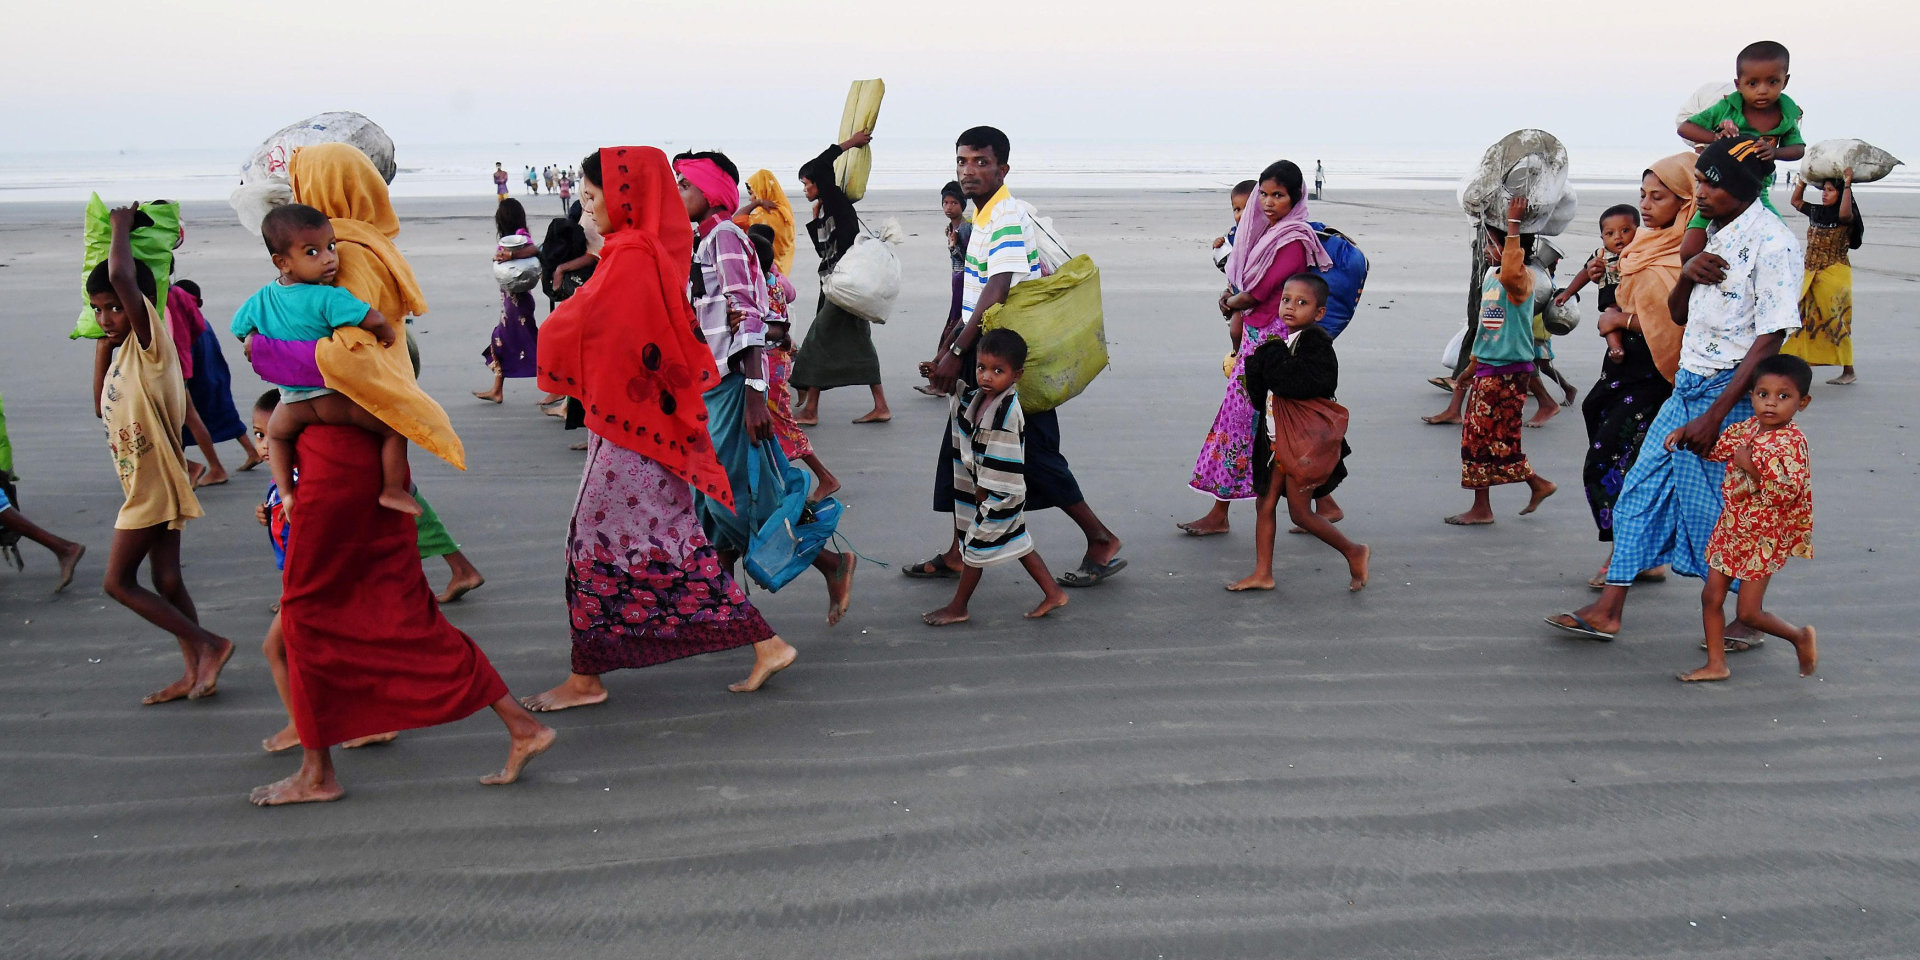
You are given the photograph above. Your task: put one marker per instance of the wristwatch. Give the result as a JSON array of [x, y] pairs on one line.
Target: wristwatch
[[955, 348], [753, 384]]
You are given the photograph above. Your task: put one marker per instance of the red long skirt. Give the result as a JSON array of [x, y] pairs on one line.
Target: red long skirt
[[367, 648]]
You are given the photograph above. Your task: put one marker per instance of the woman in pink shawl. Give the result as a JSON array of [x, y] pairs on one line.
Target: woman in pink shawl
[[1268, 248]]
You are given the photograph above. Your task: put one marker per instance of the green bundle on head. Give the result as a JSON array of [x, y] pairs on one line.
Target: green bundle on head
[[152, 245]]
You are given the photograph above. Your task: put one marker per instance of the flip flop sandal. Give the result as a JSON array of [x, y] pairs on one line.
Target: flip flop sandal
[[1579, 628], [1446, 384], [933, 568], [1090, 574]]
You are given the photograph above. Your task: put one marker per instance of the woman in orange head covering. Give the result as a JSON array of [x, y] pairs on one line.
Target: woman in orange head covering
[[1635, 383], [644, 586], [769, 205]]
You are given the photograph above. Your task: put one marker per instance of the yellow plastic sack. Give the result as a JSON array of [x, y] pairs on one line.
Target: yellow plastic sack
[[863, 111], [1061, 319]]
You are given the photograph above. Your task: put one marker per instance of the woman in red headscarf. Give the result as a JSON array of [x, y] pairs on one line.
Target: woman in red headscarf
[[644, 586]]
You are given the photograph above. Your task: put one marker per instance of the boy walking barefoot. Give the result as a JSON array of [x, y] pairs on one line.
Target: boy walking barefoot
[[1768, 515], [142, 398], [989, 477], [1303, 431]]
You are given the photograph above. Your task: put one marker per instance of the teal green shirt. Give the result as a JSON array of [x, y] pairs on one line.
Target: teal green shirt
[[1506, 328], [299, 311]]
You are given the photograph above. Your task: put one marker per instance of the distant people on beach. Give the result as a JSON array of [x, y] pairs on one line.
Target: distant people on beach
[[1319, 178], [511, 350]]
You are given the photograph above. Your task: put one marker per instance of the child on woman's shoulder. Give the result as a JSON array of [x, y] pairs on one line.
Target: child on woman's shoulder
[[1618, 226], [303, 305], [1223, 245], [990, 478], [1768, 515], [1300, 442], [1759, 108]]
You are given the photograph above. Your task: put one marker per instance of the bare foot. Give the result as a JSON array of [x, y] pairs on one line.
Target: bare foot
[[294, 790], [875, 416], [1100, 552], [1704, 675], [770, 656], [1442, 419], [489, 396], [1809, 653], [522, 750], [460, 587], [1357, 568], [195, 471], [1472, 518], [1573, 393], [211, 478], [208, 682], [825, 490], [176, 690], [1541, 416], [69, 559], [1334, 515], [400, 501], [1203, 528], [377, 738], [807, 419], [1842, 380], [840, 589], [1048, 604], [253, 460], [1255, 582], [1541, 491], [286, 739], [945, 616], [579, 690]]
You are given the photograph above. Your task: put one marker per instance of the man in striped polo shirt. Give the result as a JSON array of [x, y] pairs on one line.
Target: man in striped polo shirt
[[1000, 253]]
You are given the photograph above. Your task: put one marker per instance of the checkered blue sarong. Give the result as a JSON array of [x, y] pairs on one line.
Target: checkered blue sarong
[[1670, 500]]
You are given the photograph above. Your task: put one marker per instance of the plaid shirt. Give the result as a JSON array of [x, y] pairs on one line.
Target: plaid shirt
[[730, 278]]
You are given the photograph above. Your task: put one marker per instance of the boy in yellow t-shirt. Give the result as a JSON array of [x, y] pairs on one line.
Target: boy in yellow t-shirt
[[141, 396]]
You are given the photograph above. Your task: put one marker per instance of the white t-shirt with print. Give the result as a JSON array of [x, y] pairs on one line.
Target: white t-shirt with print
[[1760, 295]]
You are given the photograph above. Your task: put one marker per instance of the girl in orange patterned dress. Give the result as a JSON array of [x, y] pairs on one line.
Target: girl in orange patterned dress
[[1768, 515]]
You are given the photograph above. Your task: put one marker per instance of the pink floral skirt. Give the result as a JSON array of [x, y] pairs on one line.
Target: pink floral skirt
[[1224, 470], [643, 584]]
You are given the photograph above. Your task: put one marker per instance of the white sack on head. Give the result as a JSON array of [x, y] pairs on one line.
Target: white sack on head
[[264, 182], [1530, 163], [1708, 95], [1829, 160]]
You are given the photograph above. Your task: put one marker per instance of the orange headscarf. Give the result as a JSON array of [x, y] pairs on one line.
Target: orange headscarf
[[1650, 267], [764, 186], [627, 345], [339, 181]]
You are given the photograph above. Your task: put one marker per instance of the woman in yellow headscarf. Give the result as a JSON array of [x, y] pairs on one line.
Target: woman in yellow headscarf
[[1636, 382], [768, 205]]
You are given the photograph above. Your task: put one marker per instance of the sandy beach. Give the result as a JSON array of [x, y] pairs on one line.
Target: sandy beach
[[1161, 769]]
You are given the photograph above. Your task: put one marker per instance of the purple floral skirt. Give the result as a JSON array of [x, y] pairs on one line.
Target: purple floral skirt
[[643, 584], [512, 351], [1224, 470]]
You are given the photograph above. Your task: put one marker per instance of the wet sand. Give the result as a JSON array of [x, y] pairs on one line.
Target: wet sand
[[1160, 769]]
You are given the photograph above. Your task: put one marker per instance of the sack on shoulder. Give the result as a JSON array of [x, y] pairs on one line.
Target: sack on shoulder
[[1061, 319], [866, 280]]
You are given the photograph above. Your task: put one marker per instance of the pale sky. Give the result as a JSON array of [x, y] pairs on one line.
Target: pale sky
[[111, 74]]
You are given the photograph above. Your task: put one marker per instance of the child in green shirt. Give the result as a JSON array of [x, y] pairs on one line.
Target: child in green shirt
[[1759, 108]]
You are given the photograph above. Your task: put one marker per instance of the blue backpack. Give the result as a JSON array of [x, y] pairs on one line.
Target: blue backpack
[[1346, 279]]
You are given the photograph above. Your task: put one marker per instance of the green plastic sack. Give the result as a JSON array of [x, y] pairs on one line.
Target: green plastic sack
[[1061, 319], [861, 113], [152, 246], [6, 446]]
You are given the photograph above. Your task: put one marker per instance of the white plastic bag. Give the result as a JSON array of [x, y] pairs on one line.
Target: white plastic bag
[[866, 281], [1530, 163], [1708, 95], [1829, 160], [1450, 355], [1046, 241], [264, 183]]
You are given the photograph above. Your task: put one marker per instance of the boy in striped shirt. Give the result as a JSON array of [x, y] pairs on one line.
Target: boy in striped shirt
[[989, 477]]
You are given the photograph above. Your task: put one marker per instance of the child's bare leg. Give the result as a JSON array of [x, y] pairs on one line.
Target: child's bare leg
[[463, 577], [129, 549], [1264, 524], [498, 393], [393, 480], [1214, 521], [66, 551], [203, 439], [164, 563], [838, 569], [1328, 511], [276, 653], [1539, 488], [1691, 243], [1479, 514], [1452, 413], [1300, 511], [1053, 597], [956, 609], [828, 485], [1748, 607], [809, 412], [312, 783], [283, 434], [530, 738], [1713, 618]]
